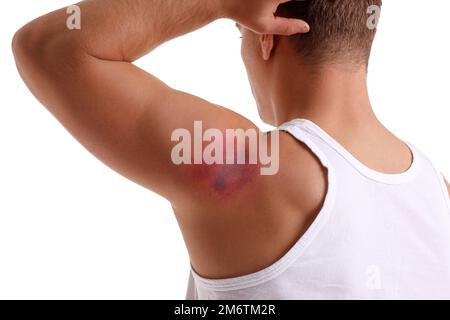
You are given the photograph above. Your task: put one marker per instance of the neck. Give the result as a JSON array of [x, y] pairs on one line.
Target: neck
[[336, 98], [330, 96]]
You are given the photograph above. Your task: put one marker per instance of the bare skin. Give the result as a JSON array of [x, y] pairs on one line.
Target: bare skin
[[234, 220]]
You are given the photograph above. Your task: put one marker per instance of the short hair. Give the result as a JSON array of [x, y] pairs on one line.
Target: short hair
[[339, 33]]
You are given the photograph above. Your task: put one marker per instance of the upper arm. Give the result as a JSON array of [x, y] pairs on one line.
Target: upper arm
[[122, 114]]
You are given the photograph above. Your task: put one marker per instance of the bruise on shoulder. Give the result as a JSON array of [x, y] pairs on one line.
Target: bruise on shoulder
[[224, 180]]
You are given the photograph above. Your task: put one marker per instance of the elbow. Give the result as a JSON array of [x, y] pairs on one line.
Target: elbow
[[35, 46], [18, 45], [15, 43], [44, 58], [27, 46], [39, 59]]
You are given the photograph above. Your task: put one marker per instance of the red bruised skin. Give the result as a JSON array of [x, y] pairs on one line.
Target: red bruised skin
[[224, 179]]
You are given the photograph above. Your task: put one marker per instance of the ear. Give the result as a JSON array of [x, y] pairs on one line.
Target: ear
[[266, 42]]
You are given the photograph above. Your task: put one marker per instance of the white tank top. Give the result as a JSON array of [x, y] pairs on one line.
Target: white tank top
[[378, 236]]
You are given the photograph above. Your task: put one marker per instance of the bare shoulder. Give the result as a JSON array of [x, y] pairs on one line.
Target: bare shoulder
[[286, 203], [252, 229]]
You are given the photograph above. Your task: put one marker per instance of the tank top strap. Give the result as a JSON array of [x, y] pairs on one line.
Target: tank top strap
[[302, 127]]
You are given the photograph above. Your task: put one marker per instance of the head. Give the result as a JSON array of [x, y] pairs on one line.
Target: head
[[340, 38]]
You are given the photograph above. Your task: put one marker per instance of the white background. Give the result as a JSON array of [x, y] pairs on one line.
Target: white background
[[72, 228]]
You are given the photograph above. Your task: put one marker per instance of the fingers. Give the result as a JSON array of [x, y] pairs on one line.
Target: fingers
[[286, 26], [259, 16]]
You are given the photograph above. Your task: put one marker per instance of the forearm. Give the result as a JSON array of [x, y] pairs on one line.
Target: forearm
[[124, 30]]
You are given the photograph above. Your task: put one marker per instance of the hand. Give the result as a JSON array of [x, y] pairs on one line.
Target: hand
[[259, 16]]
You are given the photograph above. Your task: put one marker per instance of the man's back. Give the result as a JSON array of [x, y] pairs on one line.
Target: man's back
[[376, 235], [256, 224]]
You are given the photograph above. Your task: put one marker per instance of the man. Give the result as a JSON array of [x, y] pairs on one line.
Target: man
[[338, 218]]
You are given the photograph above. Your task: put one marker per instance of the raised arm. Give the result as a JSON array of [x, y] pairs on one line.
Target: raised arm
[[120, 113]]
